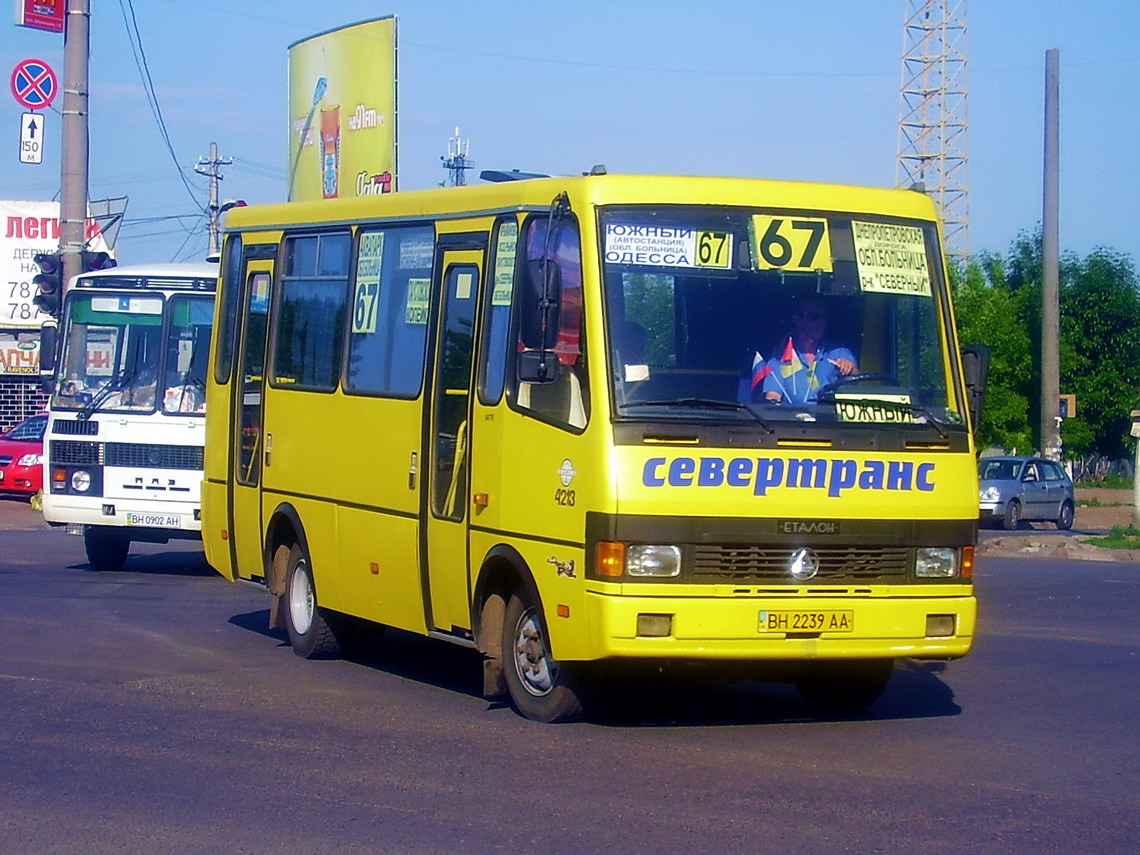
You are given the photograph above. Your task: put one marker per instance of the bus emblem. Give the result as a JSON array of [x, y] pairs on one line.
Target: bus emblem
[[566, 472], [803, 564]]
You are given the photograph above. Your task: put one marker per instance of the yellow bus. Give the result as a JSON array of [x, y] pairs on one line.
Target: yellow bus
[[572, 422]]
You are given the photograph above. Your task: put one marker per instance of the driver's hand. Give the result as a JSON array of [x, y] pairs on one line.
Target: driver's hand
[[845, 366]]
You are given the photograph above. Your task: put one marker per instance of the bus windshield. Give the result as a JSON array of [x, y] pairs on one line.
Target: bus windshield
[[134, 352], [779, 315]]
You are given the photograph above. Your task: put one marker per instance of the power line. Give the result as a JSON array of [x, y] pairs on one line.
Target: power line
[[135, 38]]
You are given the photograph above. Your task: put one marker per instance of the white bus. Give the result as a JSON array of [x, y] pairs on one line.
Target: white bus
[[123, 448]]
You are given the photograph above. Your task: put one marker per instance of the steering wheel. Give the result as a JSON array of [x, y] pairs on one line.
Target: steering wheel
[[830, 388]]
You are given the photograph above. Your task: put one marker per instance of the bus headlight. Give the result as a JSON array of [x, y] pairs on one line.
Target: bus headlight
[[80, 481], [652, 560], [936, 562]]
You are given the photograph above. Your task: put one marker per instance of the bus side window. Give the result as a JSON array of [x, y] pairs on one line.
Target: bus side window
[[497, 318], [388, 326], [313, 293], [563, 402]]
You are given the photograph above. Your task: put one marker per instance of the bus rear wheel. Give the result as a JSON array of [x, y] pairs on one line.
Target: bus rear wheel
[[107, 547], [310, 634], [541, 688], [844, 687]]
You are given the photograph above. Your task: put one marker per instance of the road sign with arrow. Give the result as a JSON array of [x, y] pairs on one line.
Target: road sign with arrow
[[31, 138]]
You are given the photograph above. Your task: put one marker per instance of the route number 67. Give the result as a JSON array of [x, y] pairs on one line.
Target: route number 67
[[789, 243]]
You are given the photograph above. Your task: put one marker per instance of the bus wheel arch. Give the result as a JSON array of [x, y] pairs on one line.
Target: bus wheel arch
[[504, 571], [294, 605], [284, 530]]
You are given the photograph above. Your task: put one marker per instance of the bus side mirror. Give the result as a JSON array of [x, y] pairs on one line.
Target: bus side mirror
[[538, 366], [540, 305], [49, 338], [975, 367]]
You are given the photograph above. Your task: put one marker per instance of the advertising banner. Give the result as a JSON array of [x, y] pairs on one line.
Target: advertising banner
[[41, 14], [342, 112], [26, 230]]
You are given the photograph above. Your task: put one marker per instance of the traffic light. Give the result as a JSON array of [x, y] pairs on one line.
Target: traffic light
[[49, 281], [97, 261]]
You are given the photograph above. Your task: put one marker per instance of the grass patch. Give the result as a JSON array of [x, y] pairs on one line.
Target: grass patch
[[1121, 537], [1108, 482], [1094, 502]]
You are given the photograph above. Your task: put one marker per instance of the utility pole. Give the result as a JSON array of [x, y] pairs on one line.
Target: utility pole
[[1050, 273], [210, 168], [74, 152]]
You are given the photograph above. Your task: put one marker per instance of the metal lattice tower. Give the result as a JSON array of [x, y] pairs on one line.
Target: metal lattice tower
[[932, 113], [457, 163]]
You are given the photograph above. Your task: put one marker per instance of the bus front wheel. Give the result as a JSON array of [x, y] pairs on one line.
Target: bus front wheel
[[541, 688], [107, 547], [309, 633]]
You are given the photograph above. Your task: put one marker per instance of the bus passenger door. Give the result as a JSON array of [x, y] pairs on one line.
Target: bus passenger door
[[247, 450], [449, 437]]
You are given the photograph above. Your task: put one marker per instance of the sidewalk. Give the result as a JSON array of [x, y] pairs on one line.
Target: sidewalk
[[18, 515]]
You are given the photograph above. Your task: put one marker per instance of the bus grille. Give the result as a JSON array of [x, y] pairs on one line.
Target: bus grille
[[66, 452], [713, 562], [154, 456], [74, 427]]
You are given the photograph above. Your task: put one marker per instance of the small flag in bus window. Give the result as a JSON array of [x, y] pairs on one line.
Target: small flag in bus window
[[760, 370], [790, 362]]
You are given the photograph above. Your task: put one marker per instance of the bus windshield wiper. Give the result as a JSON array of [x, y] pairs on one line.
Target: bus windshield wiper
[[114, 385], [704, 403]]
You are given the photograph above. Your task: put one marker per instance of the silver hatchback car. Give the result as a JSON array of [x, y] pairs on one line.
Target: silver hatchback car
[[1013, 489]]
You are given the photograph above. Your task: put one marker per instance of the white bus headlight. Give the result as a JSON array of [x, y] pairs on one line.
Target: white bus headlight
[[936, 562], [80, 481], [651, 560]]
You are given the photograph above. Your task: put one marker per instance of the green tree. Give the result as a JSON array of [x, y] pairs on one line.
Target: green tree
[[999, 304], [989, 313], [1100, 336]]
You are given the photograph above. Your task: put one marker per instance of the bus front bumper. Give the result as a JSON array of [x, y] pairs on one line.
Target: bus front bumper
[[171, 517], [815, 626]]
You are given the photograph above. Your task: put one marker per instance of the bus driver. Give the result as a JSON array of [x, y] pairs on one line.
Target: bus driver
[[808, 361]]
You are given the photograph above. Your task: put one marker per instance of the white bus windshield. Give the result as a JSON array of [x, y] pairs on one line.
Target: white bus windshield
[[135, 352]]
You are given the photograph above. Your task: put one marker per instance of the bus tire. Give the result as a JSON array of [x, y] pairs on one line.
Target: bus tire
[[310, 634], [107, 547], [540, 688], [845, 687]]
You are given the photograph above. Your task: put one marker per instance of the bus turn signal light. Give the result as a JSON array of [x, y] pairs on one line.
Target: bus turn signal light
[[611, 558]]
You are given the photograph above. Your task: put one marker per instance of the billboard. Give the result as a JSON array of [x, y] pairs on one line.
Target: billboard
[[26, 230], [41, 14], [342, 112]]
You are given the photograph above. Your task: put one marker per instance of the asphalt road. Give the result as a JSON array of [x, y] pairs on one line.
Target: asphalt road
[[149, 711]]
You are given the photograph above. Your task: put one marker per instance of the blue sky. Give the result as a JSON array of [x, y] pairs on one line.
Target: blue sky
[[806, 91]]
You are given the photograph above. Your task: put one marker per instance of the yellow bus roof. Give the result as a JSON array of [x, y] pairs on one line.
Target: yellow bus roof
[[591, 189]]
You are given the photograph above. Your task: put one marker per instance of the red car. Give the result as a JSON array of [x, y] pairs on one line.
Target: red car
[[22, 456]]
